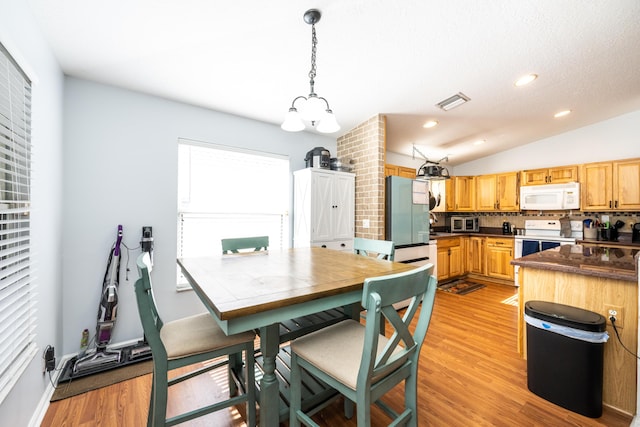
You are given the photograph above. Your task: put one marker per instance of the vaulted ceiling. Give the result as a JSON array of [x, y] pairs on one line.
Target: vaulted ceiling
[[251, 58]]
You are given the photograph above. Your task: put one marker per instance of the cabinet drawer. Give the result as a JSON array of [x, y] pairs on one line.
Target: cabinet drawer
[[338, 245], [500, 241], [448, 242]]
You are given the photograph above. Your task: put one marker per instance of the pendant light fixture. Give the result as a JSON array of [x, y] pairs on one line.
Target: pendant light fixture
[[312, 108]]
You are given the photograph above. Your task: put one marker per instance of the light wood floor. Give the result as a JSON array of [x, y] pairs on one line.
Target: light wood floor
[[470, 375]]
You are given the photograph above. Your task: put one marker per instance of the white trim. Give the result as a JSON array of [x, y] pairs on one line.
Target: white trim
[[45, 400]]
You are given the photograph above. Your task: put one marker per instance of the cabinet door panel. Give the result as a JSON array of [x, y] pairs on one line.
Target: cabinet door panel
[[443, 263], [563, 174], [322, 207], [499, 262], [486, 193], [476, 255], [626, 185], [596, 189], [343, 212], [455, 261], [508, 191], [465, 193], [535, 177]]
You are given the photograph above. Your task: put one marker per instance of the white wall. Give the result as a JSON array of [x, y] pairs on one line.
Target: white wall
[[120, 158], [613, 139], [20, 35]]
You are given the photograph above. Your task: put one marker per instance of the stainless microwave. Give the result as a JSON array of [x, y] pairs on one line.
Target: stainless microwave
[[461, 224]]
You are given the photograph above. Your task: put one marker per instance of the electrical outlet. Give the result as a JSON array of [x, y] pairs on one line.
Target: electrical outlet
[[615, 311], [49, 359]]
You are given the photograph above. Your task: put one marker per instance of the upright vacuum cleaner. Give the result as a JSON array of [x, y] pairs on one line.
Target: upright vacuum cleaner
[[102, 357]]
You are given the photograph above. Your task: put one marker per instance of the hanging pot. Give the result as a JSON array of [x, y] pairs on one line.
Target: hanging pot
[[432, 201]]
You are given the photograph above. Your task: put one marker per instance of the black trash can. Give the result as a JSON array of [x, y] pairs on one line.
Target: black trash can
[[565, 352]]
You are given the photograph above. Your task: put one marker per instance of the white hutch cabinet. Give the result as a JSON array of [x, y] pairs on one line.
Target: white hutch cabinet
[[324, 208]]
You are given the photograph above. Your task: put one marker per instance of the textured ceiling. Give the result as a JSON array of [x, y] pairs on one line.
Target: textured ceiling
[[251, 58]]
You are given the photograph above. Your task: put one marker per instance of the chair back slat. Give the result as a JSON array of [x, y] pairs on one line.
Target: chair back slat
[[384, 248], [234, 245], [379, 295], [147, 309]]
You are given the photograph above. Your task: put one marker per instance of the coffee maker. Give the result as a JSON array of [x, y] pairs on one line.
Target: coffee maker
[[506, 227], [635, 233]]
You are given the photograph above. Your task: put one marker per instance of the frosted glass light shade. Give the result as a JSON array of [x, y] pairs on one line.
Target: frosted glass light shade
[[328, 123], [292, 121]]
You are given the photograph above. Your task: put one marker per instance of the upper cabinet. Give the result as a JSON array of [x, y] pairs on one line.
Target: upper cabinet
[[557, 175], [610, 185], [464, 193], [395, 170], [497, 192]]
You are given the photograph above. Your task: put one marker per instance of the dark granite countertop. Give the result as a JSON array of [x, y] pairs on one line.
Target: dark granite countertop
[[603, 261]]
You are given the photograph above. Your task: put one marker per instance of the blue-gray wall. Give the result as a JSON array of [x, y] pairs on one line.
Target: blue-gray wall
[[20, 35]]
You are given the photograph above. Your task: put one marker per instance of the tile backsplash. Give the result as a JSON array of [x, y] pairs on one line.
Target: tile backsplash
[[495, 219]]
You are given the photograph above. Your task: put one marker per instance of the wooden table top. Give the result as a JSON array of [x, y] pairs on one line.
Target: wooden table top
[[238, 285]]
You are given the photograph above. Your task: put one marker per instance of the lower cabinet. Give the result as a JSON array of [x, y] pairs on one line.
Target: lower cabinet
[[476, 255], [450, 258], [499, 256]]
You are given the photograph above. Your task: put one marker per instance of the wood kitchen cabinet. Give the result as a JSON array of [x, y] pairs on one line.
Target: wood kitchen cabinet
[[395, 170], [557, 175], [499, 256], [498, 192], [464, 193], [610, 186], [476, 255], [486, 195], [324, 209], [450, 195], [450, 258]]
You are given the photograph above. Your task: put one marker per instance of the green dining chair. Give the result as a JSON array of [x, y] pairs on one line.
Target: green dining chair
[[185, 342], [234, 245], [384, 249], [361, 363]]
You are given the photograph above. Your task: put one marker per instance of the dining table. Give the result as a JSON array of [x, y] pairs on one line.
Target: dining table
[[257, 290]]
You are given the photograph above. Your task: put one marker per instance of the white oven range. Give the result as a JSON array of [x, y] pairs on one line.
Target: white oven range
[[542, 234]]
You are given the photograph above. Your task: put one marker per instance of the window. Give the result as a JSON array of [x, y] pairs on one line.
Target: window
[[17, 293], [229, 192]]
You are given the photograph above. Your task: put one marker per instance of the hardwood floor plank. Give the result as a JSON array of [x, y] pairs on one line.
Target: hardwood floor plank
[[470, 375]]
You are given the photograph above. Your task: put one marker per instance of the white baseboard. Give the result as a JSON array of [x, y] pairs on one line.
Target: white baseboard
[[43, 405]]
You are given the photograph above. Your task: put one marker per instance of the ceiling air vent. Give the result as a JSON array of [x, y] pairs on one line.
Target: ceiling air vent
[[454, 101]]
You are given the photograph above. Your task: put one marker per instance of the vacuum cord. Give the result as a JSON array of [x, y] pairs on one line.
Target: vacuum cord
[[615, 329]]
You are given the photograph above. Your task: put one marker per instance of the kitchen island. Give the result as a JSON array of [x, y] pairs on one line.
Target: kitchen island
[[595, 279]]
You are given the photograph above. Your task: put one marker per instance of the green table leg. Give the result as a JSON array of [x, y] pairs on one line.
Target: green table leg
[[269, 387]]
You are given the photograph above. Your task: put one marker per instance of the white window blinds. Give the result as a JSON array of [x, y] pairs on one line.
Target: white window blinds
[[17, 296]]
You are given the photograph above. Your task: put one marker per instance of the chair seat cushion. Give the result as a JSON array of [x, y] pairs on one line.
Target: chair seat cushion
[[197, 334], [337, 350]]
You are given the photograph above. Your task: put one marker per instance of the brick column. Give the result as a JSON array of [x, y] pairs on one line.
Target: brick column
[[365, 145]]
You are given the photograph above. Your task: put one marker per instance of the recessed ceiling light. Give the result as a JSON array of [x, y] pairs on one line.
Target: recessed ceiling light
[[453, 101], [430, 123], [562, 113], [479, 142], [525, 80]]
